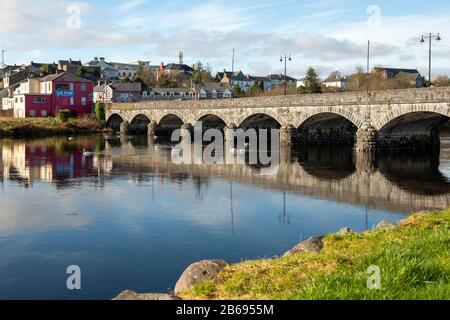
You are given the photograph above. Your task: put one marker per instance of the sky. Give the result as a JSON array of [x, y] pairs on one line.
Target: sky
[[326, 34]]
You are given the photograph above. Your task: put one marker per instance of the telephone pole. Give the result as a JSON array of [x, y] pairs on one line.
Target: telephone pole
[[232, 63]]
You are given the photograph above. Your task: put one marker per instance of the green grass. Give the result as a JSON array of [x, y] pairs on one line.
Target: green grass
[[414, 260], [40, 127]]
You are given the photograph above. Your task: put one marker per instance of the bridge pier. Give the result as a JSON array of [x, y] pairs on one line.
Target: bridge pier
[[287, 135], [186, 129], [125, 128], [228, 133], [366, 139], [152, 128]]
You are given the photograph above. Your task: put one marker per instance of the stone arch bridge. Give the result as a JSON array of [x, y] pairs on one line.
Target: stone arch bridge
[[391, 118]]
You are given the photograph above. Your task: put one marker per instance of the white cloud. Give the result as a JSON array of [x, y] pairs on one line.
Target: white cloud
[[141, 29]]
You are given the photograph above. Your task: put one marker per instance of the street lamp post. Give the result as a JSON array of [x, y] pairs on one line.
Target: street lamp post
[[285, 59], [430, 37]]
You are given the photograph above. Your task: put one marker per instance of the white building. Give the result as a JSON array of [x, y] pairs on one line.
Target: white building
[[335, 80]]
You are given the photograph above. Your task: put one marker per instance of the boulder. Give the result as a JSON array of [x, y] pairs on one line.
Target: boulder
[[344, 232], [198, 272], [314, 244], [131, 295], [385, 225]]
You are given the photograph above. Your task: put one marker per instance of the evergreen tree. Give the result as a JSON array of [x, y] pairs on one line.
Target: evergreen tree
[[237, 91], [256, 90], [311, 82]]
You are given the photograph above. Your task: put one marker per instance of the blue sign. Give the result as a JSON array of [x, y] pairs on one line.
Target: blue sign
[[64, 93]]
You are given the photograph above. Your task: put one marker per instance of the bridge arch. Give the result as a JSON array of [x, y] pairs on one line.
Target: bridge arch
[[210, 120], [167, 124], [261, 121], [171, 114], [405, 110], [347, 114], [327, 128], [139, 124], [114, 121]]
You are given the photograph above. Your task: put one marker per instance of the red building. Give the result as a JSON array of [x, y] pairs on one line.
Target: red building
[[46, 96]]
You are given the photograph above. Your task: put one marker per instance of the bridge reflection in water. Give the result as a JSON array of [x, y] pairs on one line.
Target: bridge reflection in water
[[402, 182], [394, 181]]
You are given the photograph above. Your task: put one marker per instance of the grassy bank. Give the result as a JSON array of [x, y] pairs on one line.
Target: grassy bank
[[414, 259], [44, 127]]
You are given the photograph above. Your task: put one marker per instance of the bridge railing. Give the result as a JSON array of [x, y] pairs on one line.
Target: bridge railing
[[424, 95]]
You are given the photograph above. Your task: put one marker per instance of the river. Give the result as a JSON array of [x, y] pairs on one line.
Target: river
[[131, 219]]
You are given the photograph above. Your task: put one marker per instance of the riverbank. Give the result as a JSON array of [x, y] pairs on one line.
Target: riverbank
[[45, 127], [413, 258]]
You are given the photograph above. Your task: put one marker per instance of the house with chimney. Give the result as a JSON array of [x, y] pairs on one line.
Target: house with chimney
[[70, 66], [234, 79], [417, 79], [178, 71], [118, 92]]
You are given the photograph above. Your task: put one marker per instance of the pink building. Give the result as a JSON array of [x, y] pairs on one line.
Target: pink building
[[44, 97]]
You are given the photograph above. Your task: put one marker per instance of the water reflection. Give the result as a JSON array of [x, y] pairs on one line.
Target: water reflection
[[399, 181], [133, 219]]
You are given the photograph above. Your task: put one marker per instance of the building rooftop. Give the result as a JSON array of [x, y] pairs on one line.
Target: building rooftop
[[65, 77]]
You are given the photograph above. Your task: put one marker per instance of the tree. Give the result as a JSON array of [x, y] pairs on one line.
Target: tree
[[404, 80], [441, 81], [311, 83], [357, 81], [237, 91], [202, 74], [100, 111], [256, 90], [146, 76], [81, 71], [218, 78]]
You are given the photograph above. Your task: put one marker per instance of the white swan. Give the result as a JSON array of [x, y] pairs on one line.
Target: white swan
[[87, 153], [70, 138]]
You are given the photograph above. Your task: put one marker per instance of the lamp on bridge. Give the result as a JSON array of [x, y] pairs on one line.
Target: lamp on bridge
[[286, 59], [430, 37]]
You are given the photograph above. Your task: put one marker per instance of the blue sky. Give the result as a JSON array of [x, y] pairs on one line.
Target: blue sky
[[327, 34]]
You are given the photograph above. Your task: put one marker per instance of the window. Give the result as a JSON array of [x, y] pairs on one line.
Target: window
[[71, 86], [83, 101], [62, 87], [38, 100], [72, 101], [32, 113], [44, 113], [83, 87], [21, 99]]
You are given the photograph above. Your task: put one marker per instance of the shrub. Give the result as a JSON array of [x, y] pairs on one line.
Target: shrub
[[100, 111], [63, 115]]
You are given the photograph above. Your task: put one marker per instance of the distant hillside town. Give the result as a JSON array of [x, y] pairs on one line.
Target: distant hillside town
[[43, 89]]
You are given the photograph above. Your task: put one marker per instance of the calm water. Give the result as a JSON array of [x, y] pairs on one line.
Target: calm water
[[132, 220]]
